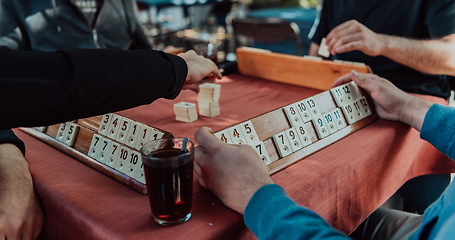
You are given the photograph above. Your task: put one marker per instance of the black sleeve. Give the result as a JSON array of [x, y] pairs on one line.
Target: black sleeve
[[8, 136], [440, 18], [43, 88], [320, 27]]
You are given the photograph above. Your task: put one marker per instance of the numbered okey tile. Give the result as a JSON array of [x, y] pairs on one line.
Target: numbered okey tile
[[125, 125], [294, 140], [302, 132], [223, 136], [352, 91], [134, 161], [358, 109], [293, 115], [145, 135], [321, 127], [312, 107], [339, 118], [133, 133], [330, 122], [61, 131], [114, 126], [122, 160], [140, 175], [113, 154], [249, 132], [348, 111], [366, 107], [303, 110], [262, 151], [282, 144], [338, 95], [71, 133], [156, 134], [236, 135], [103, 150], [104, 125], [94, 146]]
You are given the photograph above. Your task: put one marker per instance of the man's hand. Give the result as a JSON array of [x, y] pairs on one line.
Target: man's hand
[[391, 103], [199, 68], [352, 35], [21, 216], [232, 172]]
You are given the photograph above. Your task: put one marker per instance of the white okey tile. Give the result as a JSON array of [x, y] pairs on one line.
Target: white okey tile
[[133, 133], [330, 122], [94, 146], [312, 107], [156, 134], [302, 132], [103, 150], [236, 135], [303, 110], [282, 144], [338, 95], [366, 107], [223, 136], [249, 132], [293, 115], [104, 125], [40, 129], [294, 139], [134, 161], [352, 91], [62, 130], [71, 133], [112, 154], [339, 118], [122, 160], [348, 111], [125, 125], [321, 127], [358, 109], [145, 135], [140, 175], [262, 151], [114, 126]]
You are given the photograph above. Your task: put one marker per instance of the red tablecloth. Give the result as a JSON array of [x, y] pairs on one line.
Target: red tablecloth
[[344, 182]]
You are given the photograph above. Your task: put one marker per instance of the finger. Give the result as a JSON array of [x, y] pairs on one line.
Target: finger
[[206, 139], [197, 170], [199, 154], [342, 80], [192, 87], [348, 47], [339, 30], [343, 41], [202, 183]]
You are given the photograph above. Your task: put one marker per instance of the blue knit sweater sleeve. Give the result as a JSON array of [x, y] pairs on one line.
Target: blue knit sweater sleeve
[[439, 128], [271, 214]]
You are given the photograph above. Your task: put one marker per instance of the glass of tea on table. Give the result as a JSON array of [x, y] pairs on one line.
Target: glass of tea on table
[[168, 168]]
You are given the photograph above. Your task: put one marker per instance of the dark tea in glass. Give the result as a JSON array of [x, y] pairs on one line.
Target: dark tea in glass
[[169, 178]]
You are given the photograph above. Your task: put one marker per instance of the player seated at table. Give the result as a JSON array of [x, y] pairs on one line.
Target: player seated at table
[[43, 88], [237, 175]]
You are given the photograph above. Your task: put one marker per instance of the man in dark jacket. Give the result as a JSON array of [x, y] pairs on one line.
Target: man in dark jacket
[[47, 25], [39, 88]]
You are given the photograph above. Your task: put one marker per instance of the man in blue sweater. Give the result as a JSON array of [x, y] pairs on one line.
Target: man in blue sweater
[[236, 174]]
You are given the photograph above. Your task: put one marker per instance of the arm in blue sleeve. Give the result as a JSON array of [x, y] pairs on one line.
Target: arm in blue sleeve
[[271, 214], [439, 128]]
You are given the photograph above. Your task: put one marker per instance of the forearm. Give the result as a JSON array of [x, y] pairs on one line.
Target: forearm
[[429, 56], [14, 169], [74, 84], [271, 214], [413, 111]]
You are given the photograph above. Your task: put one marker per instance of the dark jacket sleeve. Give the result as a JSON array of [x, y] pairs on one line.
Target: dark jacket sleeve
[[40, 88], [8, 136]]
